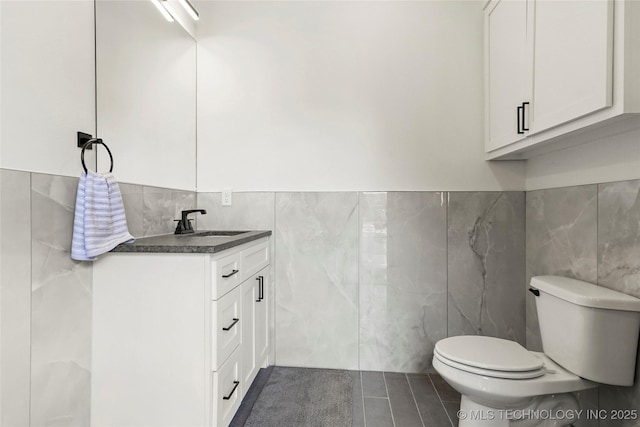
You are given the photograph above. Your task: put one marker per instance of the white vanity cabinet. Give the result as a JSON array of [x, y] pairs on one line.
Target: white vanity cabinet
[[172, 333], [559, 73]]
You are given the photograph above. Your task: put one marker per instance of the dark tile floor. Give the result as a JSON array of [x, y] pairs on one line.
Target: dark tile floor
[[386, 399]]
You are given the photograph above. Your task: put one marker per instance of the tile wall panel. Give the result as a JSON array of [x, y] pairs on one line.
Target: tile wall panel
[[61, 309], [316, 241], [486, 264], [403, 279]]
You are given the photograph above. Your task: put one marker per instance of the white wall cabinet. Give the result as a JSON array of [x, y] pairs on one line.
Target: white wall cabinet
[[172, 333], [581, 74]]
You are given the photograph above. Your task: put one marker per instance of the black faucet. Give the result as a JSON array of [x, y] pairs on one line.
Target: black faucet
[[184, 225]]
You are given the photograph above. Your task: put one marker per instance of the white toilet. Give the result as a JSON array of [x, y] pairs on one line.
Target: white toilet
[[589, 336]]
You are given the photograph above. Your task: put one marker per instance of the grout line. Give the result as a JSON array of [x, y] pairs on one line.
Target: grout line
[[414, 399], [31, 223], [446, 263], [364, 413], [393, 420], [359, 259], [440, 399]]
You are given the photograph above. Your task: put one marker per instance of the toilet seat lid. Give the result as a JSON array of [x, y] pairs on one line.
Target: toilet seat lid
[[490, 353]]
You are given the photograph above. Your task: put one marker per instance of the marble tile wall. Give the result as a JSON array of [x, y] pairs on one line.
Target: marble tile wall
[[364, 280], [316, 239], [60, 309], [46, 296], [403, 279], [486, 264], [591, 233]]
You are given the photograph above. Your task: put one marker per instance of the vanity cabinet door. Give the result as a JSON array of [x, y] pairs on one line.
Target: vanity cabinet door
[[262, 320], [250, 294], [255, 329]]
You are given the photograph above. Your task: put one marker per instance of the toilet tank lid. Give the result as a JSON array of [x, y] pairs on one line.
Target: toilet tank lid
[[585, 294]]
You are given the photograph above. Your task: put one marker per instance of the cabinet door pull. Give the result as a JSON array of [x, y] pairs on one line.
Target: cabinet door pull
[[233, 390], [259, 279], [520, 111], [524, 111], [228, 328], [261, 288], [226, 276]]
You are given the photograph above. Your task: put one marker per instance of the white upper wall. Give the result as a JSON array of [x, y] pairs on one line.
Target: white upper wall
[[343, 96], [613, 159]]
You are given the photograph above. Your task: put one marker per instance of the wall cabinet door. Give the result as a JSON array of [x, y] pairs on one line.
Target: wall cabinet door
[[572, 60], [507, 80]]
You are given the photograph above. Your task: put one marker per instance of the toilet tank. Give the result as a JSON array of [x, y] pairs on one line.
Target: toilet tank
[[590, 330]]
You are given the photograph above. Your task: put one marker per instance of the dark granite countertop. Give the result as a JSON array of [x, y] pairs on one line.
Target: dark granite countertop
[[199, 242]]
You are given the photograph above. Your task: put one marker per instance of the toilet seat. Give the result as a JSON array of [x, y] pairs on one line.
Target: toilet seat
[[488, 356]]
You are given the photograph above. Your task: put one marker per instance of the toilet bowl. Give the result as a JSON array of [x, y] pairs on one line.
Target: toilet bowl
[[514, 379], [503, 384], [518, 388]]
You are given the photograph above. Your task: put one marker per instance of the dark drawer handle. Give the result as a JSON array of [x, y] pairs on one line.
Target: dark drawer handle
[[260, 280], [228, 328], [226, 276], [235, 386]]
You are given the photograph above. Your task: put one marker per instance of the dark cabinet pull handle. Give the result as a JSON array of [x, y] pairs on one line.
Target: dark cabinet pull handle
[[235, 386], [534, 291], [261, 288], [520, 116], [524, 111], [228, 328], [259, 279], [226, 276]]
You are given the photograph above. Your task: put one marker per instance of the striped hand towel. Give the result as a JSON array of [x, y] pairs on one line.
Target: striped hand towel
[[100, 223]]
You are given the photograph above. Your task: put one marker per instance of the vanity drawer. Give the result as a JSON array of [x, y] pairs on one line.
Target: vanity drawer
[[227, 390], [255, 259], [225, 274], [226, 330]]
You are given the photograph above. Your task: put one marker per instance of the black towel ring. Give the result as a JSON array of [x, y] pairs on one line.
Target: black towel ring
[[95, 141]]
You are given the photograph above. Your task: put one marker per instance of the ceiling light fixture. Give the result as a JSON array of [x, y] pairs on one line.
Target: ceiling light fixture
[[159, 4], [186, 4]]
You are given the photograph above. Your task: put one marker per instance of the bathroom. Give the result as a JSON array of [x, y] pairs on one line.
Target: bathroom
[[354, 131]]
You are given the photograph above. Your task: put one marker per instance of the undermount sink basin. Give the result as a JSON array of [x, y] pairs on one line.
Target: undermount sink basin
[[208, 233]]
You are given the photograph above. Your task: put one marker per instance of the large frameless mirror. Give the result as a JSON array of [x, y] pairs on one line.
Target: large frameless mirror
[[146, 95]]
